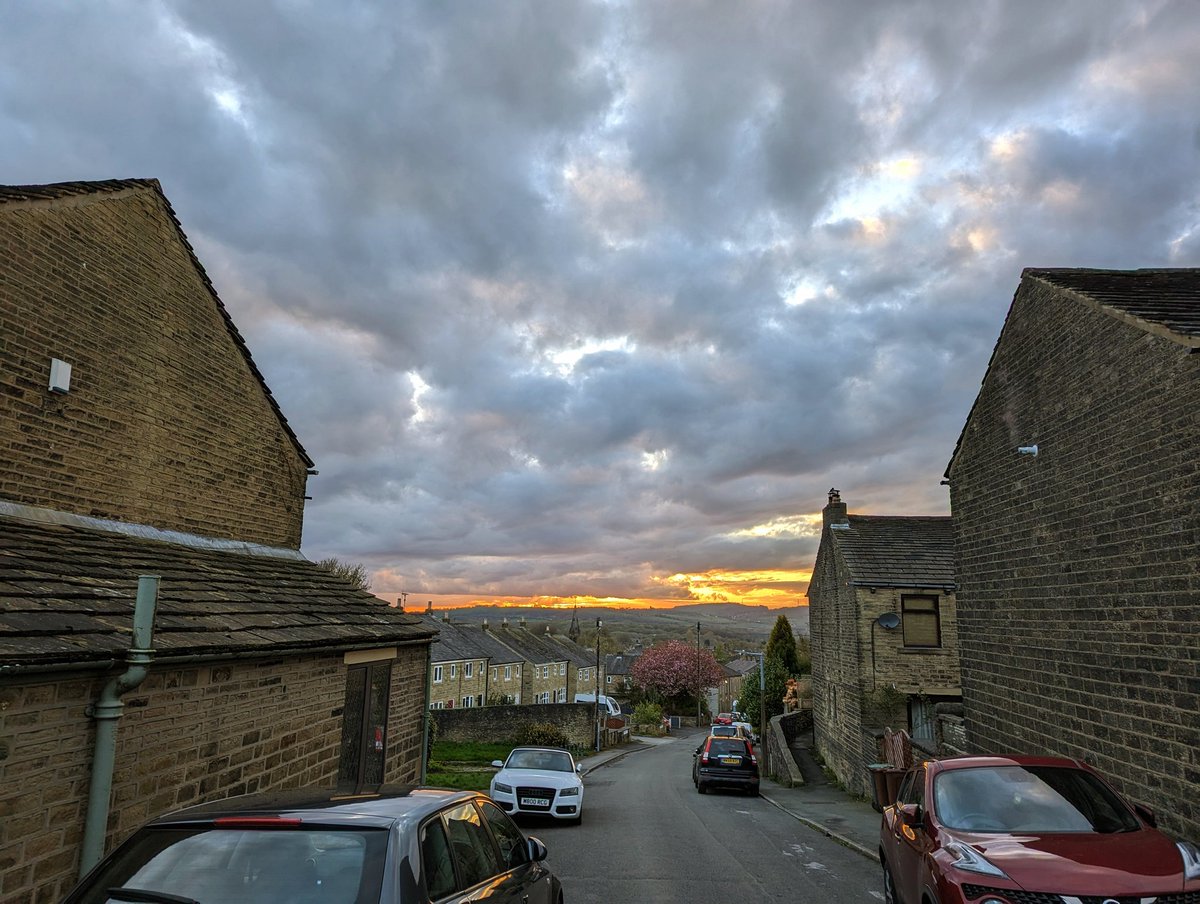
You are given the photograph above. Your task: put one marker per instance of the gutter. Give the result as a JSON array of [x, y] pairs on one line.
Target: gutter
[[106, 711]]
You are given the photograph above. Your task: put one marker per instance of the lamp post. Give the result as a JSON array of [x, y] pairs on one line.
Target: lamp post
[[697, 674], [596, 717]]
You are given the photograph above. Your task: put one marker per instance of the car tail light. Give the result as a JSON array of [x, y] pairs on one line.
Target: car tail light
[[704, 757], [754, 759], [255, 822]]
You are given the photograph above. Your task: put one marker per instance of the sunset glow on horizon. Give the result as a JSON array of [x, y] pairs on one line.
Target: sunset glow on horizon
[[772, 589]]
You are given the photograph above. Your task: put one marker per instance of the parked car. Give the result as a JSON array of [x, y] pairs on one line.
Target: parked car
[[729, 731], [395, 846], [542, 781], [1025, 830], [746, 727], [723, 719], [725, 762]]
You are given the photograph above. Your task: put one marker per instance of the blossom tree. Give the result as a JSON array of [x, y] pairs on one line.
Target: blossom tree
[[673, 670]]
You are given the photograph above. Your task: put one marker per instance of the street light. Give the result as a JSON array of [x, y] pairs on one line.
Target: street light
[[596, 717], [697, 674]]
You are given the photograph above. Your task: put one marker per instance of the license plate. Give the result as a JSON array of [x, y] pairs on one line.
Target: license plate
[[535, 802], [731, 761]]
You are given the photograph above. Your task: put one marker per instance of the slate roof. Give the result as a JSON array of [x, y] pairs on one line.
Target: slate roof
[[458, 641], [12, 195], [743, 666], [1166, 300], [528, 644], [619, 663], [573, 652], [897, 550], [67, 594]]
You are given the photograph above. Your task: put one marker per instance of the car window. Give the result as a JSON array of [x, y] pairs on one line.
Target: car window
[[471, 845], [727, 747], [1029, 799], [436, 861], [552, 760], [228, 864], [904, 795], [512, 843]]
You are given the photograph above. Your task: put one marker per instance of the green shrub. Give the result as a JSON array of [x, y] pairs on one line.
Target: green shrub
[[648, 714], [543, 734]]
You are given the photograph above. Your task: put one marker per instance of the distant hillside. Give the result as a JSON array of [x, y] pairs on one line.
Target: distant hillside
[[729, 624]]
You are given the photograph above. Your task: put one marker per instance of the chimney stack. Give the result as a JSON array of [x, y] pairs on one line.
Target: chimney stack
[[834, 513]]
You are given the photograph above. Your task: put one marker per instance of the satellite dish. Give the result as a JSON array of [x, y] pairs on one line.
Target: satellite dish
[[889, 620]]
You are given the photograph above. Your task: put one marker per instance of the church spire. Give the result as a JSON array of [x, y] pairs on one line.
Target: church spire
[[574, 631]]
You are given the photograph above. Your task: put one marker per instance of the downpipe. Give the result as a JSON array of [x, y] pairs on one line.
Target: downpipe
[[106, 711]]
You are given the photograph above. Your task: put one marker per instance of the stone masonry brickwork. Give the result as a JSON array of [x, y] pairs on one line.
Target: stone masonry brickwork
[[452, 688], [1079, 568], [187, 735], [508, 723], [840, 618], [165, 423]]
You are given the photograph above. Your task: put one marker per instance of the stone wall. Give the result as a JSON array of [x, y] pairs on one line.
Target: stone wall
[[188, 735], [508, 723], [1078, 597], [165, 423]]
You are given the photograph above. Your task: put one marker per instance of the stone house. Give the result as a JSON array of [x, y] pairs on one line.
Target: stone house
[[885, 640], [618, 674], [1075, 491], [139, 440], [544, 677], [468, 665], [730, 689], [581, 665]]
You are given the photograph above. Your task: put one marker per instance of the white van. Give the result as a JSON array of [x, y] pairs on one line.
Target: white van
[[608, 704]]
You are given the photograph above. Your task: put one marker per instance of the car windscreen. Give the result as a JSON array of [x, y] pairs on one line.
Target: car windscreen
[[730, 747], [263, 866], [552, 760], [1028, 799]]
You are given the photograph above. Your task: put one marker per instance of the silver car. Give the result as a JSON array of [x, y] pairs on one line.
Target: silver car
[[397, 846]]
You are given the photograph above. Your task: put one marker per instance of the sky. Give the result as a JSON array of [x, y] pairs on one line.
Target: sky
[[594, 302]]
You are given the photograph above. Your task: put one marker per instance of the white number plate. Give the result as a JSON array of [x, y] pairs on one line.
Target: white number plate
[[534, 802]]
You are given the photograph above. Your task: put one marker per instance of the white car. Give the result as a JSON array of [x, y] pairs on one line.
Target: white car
[[541, 781], [747, 728]]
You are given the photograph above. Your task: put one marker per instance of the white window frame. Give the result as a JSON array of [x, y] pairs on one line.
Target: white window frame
[[468, 669], [454, 670], [508, 673], [437, 674]]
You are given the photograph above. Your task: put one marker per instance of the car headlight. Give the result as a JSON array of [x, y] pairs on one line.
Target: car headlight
[[1191, 858], [967, 858], [502, 788], [569, 792]]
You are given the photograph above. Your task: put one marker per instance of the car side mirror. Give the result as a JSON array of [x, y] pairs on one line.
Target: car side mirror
[[536, 850], [579, 768], [499, 764], [1147, 814], [912, 815]]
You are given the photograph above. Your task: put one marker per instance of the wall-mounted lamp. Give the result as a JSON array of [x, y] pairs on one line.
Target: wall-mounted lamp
[[312, 472], [889, 621], [60, 376], [1027, 450]]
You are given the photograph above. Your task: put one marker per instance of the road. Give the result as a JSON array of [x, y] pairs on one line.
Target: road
[[648, 836]]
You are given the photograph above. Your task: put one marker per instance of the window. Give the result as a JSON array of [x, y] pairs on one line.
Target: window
[[922, 627], [608, 680], [437, 674], [512, 843], [921, 718], [436, 861], [454, 670], [364, 725], [468, 669], [545, 671], [465, 703], [472, 846], [507, 672], [495, 672], [562, 668]]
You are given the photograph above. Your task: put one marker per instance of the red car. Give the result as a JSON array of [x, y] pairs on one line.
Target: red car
[[723, 719], [1026, 830]]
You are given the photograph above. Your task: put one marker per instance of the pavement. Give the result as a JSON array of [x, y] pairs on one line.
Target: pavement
[[817, 803]]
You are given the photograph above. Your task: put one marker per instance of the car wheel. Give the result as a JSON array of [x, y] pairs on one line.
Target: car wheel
[[578, 820], [889, 887], [701, 787]]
